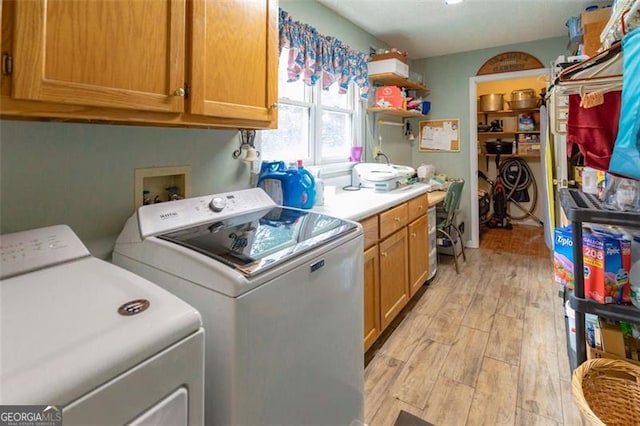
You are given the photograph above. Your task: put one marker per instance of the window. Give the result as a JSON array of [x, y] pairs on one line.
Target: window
[[314, 125]]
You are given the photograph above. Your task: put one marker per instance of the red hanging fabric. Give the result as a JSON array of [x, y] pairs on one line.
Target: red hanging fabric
[[594, 129]]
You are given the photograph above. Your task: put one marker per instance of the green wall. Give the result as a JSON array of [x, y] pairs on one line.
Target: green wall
[[82, 175], [447, 77]]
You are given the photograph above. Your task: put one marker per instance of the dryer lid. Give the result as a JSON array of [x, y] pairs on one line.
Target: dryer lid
[[62, 333]]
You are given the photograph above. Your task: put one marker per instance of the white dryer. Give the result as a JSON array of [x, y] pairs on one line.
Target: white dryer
[[100, 343]]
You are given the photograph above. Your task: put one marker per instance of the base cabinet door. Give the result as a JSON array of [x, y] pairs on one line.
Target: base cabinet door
[[394, 283], [418, 254], [371, 297]]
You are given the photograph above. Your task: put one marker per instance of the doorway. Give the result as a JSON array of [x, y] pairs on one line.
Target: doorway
[[476, 85]]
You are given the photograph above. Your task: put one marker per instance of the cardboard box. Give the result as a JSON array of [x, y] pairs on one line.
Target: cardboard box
[[563, 257], [528, 148], [390, 55], [593, 353], [593, 22], [607, 261], [393, 66], [612, 339], [390, 97]]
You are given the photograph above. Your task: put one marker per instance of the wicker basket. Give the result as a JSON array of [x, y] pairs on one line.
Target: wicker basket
[[607, 392]]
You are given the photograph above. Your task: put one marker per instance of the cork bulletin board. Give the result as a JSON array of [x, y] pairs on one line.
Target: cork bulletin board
[[440, 135]]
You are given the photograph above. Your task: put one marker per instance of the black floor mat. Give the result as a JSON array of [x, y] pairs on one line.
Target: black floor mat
[[407, 419]]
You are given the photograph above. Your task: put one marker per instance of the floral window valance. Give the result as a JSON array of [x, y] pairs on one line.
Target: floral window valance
[[315, 57]]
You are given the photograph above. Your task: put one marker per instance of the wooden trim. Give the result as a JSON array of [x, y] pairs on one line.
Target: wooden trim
[[177, 46], [197, 38], [273, 56], [35, 110], [371, 255]]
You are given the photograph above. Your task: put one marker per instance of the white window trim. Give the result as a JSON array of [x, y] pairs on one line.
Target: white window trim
[[331, 165]]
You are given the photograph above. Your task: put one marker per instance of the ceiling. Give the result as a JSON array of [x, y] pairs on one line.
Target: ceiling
[[426, 28]]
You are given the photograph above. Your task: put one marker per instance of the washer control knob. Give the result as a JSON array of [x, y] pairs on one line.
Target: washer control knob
[[218, 204]]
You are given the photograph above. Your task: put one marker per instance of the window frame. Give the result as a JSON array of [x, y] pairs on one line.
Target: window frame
[[313, 101]]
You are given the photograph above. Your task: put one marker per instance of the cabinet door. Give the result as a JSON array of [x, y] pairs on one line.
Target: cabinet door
[[394, 287], [122, 54], [418, 254], [371, 297], [234, 60]]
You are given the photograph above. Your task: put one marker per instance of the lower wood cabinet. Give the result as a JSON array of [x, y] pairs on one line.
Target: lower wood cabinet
[[394, 285], [396, 262], [371, 296]]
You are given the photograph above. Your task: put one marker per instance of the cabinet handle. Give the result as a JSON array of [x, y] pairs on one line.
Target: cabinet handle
[[413, 234], [420, 207], [383, 254], [397, 219], [274, 106], [179, 92]]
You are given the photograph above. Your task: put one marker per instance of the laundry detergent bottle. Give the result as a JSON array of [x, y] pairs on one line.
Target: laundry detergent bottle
[[293, 187], [307, 186]]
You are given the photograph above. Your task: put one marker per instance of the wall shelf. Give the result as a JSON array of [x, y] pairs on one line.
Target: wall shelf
[[509, 111], [510, 155], [510, 133], [390, 79], [395, 112]]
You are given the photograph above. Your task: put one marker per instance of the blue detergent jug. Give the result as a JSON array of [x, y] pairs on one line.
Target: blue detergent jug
[[308, 183], [291, 188], [271, 166]]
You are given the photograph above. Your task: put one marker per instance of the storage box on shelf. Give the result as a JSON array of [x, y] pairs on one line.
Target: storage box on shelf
[[393, 62], [593, 353], [391, 78], [593, 23], [582, 207]]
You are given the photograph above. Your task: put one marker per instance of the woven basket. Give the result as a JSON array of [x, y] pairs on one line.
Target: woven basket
[[607, 392]]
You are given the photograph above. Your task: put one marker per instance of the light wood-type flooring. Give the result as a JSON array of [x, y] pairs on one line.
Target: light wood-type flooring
[[521, 239], [486, 347]]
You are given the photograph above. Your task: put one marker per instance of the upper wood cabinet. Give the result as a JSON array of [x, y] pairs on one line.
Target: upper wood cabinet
[[123, 54], [205, 63], [234, 61]]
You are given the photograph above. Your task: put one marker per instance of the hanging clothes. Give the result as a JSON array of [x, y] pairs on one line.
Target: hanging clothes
[[626, 152], [594, 129]]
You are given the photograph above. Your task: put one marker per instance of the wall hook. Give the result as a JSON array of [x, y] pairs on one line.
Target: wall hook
[[247, 143]]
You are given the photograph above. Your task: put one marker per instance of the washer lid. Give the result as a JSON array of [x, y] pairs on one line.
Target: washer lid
[[62, 334], [258, 241]]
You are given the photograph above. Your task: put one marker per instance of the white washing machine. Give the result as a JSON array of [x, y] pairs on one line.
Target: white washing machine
[[105, 346], [280, 291]]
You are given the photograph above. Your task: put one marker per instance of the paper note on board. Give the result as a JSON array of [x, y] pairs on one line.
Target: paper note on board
[[439, 135]]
